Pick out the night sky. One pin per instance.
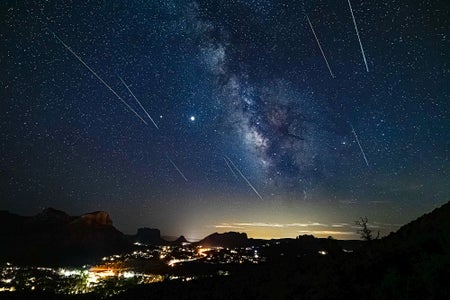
(252, 130)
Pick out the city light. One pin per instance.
(115, 273)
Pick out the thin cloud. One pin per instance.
(270, 225)
(340, 225)
(327, 232)
(229, 226)
(259, 224)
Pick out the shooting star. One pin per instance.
(359, 144)
(96, 75)
(320, 47)
(135, 98)
(175, 166)
(357, 34)
(231, 169)
(245, 178)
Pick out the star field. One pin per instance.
(247, 127)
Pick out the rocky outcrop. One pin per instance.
(228, 239)
(53, 215)
(149, 236)
(54, 237)
(98, 218)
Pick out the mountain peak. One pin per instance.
(180, 240)
(51, 214)
(52, 236)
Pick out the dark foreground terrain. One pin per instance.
(412, 263)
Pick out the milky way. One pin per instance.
(280, 89)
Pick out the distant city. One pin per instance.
(118, 272)
(39, 261)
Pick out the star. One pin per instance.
(264, 96)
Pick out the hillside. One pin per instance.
(54, 237)
(413, 263)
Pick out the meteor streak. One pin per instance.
(96, 75)
(359, 39)
(231, 169)
(135, 98)
(117, 95)
(175, 166)
(320, 47)
(359, 144)
(245, 178)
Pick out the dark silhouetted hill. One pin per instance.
(180, 241)
(149, 236)
(434, 224)
(413, 263)
(226, 240)
(54, 237)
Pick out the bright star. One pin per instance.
(192, 118)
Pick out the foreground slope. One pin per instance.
(413, 263)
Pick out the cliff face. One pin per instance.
(54, 237)
(100, 218)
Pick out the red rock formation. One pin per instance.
(96, 218)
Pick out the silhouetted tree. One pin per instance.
(365, 233)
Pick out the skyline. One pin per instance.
(274, 118)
